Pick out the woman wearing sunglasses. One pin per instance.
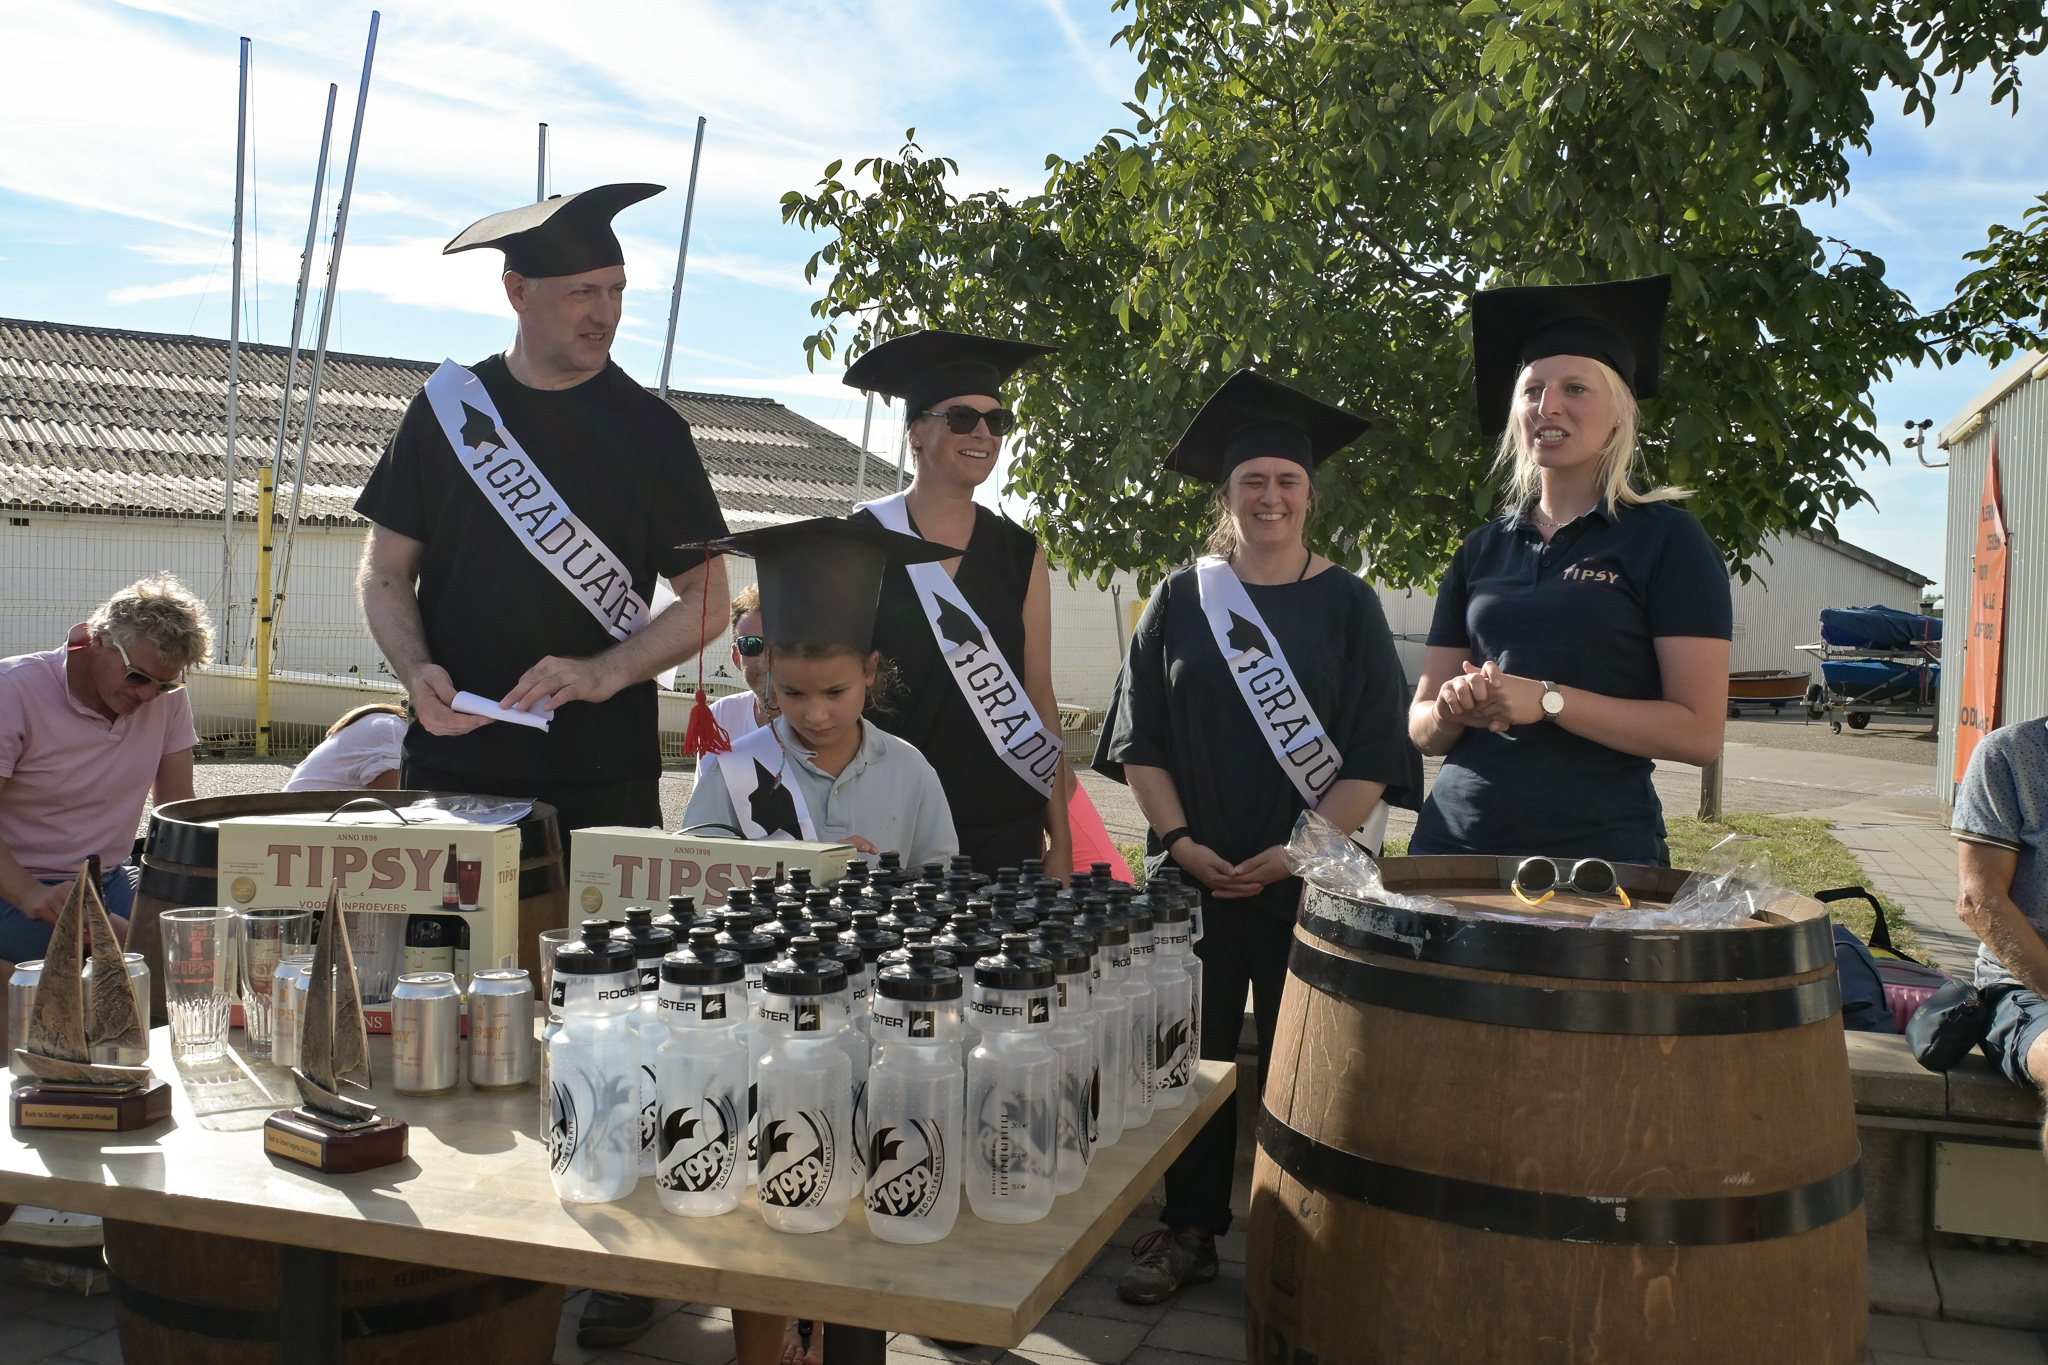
(742, 713)
(1584, 634)
(972, 636)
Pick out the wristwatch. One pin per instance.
(1553, 701)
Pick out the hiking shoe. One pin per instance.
(613, 1319)
(34, 1227)
(1165, 1260)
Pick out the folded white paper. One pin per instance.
(470, 704)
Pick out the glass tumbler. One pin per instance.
(551, 939)
(199, 980)
(263, 938)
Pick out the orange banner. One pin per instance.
(1984, 648)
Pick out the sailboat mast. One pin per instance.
(227, 519)
(675, 298)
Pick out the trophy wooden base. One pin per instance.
(39, 1106)
(294, 1137)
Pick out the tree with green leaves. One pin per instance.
(1316, 187)
(2002, 307)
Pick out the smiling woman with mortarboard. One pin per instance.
(1585, 633)
(973, 637)
(1261, 682)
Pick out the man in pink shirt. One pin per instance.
(87, 732)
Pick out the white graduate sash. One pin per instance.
(993, 690)
(522, 495)
(1300, 745)
(765, 807)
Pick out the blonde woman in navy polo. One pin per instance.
(1584, 633)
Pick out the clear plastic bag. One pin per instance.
(1734, 882)
(478, 810)
(1321, 853)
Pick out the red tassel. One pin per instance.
(705, 735)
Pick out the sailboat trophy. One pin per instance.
(329, 1131)
(70, 1027)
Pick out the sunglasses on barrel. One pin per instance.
(961, 420)
(1588, 876)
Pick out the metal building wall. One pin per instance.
(2021, 419)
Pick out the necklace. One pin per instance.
(1231, 560)
(1536, 514)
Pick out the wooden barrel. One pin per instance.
(1510, 1137)
(192, 1298)
(182, 850)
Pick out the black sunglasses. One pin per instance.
(961, 420)
(750, 646)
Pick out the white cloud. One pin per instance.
(170, 289)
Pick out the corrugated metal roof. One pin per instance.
(93, 419)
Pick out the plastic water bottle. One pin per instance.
(1073, 1042)
(1112, 1018)
(1175, 976)
(852, 1039)
(1144, 1001)
(805, 1175)
(593, 1121)
(1170, 874)
(914, 1100)
(651, 943)
(1012, 1079)
(755, 953)
(702, 1069)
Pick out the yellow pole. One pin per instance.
(265, 505)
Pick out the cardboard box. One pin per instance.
(286, 862)
(612, 866)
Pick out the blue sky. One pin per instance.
(116, 178)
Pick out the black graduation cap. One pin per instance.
(1252, 416)
(1618, 323)
(926, 366)
(820, 578)
(565, 235)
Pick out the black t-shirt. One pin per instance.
(624, 462)
(1176, 707)
(1584, 611)
(994, 575)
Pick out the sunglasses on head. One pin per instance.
(136, 677)
(750, 646)
(961, 420)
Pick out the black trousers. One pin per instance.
(578, 805)
(1242, 950)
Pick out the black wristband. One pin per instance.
(1174, 836)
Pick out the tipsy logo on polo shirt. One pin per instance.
(1598, 570)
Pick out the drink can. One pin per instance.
(426, 1027)
(289, 983)
(500, 1029)
(21, 1003)
(138, 975)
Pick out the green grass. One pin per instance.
(1807, 858)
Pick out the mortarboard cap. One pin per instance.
(1618, 324)
(924, 367)
(820, 579)
(565, 235)
(1252, 416)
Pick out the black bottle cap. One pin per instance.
(892, 861)
(703, 962)
(597, 953)
(920, 977)
(1014, 968)
(857, 870)
(848, 955)
(806, 971)
(738, 935)
(1057, 943)
(650, 941)
(965, 939)
(873, 939)
(1167, 904)
(1032, 868)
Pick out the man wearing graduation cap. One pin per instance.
(1262, 681)
(973, 640)
(1585, 633)
(521, 521)
(818, 772)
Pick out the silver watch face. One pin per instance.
(1553, 702)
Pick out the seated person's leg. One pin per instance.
(2018, 1040)
(21, 938)
(771, 1339)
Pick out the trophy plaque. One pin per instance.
(329, 1131)
(70, 1027)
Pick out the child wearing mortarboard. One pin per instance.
(819, 772)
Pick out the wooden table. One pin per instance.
(474, 1195)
